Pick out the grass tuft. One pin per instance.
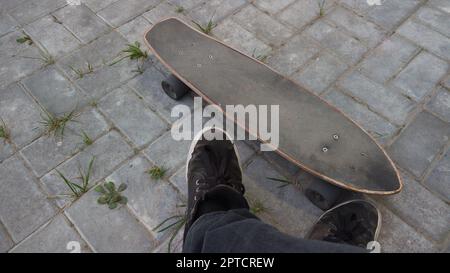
(173, 224)
(76, 189)
(56, 125)
(157, 172)
(257, 207)
(24, 39)
(4, 132)
(179, 9)
(206, 28)
(321, 4)
(80, 72)
(284, 182)
(133, 52)
(86, 139)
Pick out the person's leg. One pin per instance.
(218, 217)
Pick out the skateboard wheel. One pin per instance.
(174, 88)
(322, 194)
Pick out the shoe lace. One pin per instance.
(348, 229)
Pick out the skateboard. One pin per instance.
(314, 135)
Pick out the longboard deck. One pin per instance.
(224, 76)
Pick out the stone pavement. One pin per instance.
(386, 66)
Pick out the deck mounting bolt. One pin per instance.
(335, 137)
(325, 149)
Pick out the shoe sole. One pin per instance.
(198, 136)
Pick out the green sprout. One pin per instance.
(283, 182)
(157, 172)
(86, 139)
(110, 195)
(76, 189)
(179, 9)
(80, 72)
(257, 207)
(321, 4)
(174, 224)
(4, 132)
(56, 125)
(24, 39)
(133, 52)
(206, 28)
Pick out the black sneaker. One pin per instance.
(355, 222)
(214, 175)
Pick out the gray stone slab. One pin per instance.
(321, 73)
(273, 7)
(386, 101)
(427, 38)
(7, 24)
(236, 36)
(440, 104)
(215, 10)
(6, 149)
(443, 5)
(5, 241)
(109, 230)
(148, 85)
(175, 247)
(388, 58)
(420, 209)
(19, 190)
(446, 82)
(162, 11)
(47, 152)
(96, 5)
(302, 12)
(178, 179)
(82, 22)
(440, 176)
(393, 12)
(420, 143)
(436, 19)
(10, 4)
(32, 10)
(134, 30)
(263, 26)
(132, 117)
(350, 49)
(54, 92)
(152, 201)
(56, 39)
(167, 152)
(20, 114)
(377, 126)
(295, 53)
(286, 168)
(108, 151)
(421, 75)
(9, 46)
(360, 28)
(13, 69)
(55, 237)
(244, 151)
(122, 11)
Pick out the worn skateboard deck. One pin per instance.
(224, 76)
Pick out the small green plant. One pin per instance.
(4, 132)
(133, 52)
(321, 4)
(110, 195)
(257, 207)
(93, 103)
(24, 39)
(259, 57)
(86, 139)
(172, 224)
(206, 28)
(56, 125)
(179, 9)
(157, 172)
(76, 189)
(283, 182)
(81, 72)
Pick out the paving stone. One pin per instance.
(9, 47)
(440, 176)
(421, 75)
(54, 92)
(419, 208)
(377, 126)
(388, 58)
(122, 11)
(152, 201)
(440, 104)
(47, 152)
(295, 53)
(32, 10)
(286, 167)
(167, 152)
(54, 237)
(444, 5)
(435, 18)
(20, 114)
(109, 77)
(302, 12)
(103, 50)
(360, 6)
(97, 5)
(162, 11)
(7, 24)
(109, 230)
(330, 37)
(128, 112)
(6, 149)
(233, 34)
(217, 9)
(393, 12)
(244, 151)
(263, 26)
(148, 85)
(398, 237)
(14, 68)
(108, 152)
(420, 143)
(178, 179)
(19, 190)
(386, 101)
(356, 25)
(176, 245)
(272, 7)
(187, 4)
(134, 30)
(427, 38)
(82, 22)
(321, 73)
(56, 39)
(10, 4)
(5, 241)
